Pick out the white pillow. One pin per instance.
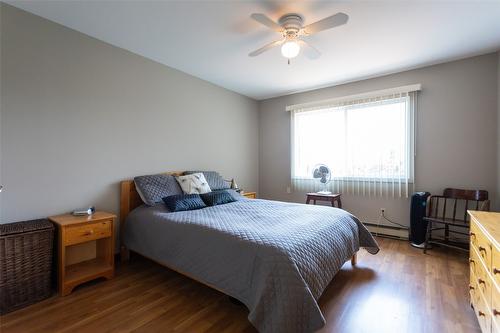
(194, 184)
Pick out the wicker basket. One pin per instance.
(25, 263)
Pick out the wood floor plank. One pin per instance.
(398, 290)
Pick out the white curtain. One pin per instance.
(368, 143)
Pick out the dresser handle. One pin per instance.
(471, 261)
(481, 313)
(88, 233)
(471, 287)
(472, 234)
(495, 312)
(482, 249)
(496, 270)
(481, 281)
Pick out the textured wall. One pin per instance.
(456, 131)
(79, 115)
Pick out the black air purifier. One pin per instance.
(418, 226)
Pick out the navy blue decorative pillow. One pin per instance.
(180, 202)
(215, 198)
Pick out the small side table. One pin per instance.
(324, 197)
(250, 195)
(85, 249)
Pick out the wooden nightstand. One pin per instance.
(85, 249)
(250, 195)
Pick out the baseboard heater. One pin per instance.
(389, 231)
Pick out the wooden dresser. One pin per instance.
(484, 263)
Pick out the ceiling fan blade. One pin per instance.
(309, 51)
(265, 48)
(263, 19)
(326, 23)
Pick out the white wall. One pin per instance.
(456, 133)
(79, 115)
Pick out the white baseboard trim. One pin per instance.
(385, 230)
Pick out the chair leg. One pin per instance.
(427, 236)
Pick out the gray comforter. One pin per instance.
(275, 257)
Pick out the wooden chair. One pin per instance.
(450, 210)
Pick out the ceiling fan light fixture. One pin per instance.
(292, 29)
(290, 49)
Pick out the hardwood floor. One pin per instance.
(398, 290)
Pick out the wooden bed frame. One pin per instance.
(130, 199)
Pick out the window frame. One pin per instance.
(410, 123)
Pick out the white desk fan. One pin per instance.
(322, 174)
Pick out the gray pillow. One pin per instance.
(152, 188)
(214, 180)
(236, 196)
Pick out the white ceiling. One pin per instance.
(211, 39)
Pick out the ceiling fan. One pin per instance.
(290, 26)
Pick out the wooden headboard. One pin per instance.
(130, 199)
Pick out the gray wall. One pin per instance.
(456, 131)
(79, 115)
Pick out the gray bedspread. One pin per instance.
(275, 257)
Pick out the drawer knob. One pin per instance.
(496, 270)
(481, 281)
(471, 261)
(495, 312)
(481, 313)
(88, 233)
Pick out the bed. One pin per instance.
(275, 257)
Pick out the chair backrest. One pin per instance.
(454, 203)
(470, 195)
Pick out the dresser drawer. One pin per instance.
(87, 232)
(483, 314)
(483, 281)
(481, 244)
(473, 290)
(495, 266)
(474, 261)
(495, 310)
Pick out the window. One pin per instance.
(367, 143)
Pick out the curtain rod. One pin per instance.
(376, 93)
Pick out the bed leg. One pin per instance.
(354, 259)
(124, 254)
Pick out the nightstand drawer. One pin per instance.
(88, 232)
